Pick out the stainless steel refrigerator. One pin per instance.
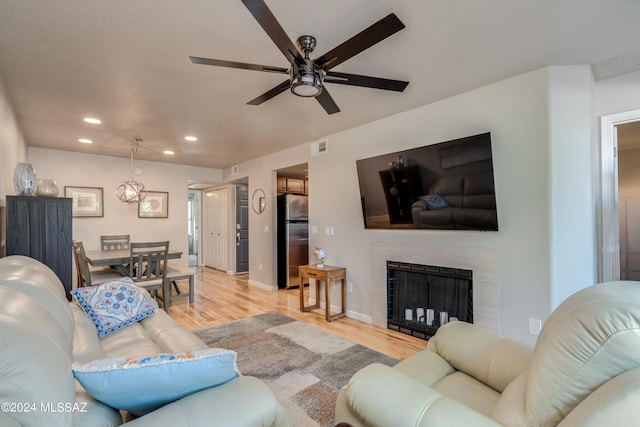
(293, 238)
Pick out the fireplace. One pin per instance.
(421, 298)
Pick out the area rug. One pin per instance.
(304, 365)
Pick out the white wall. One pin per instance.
(516, 112)
(87, 170)
(617, 94)
(13, 148)
(535, 125)
(573, 178)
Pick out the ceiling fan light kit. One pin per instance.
(306, 75)
(306, 82)
(306, 85)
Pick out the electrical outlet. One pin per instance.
(349, 286)
(535, 326)
(260, 266)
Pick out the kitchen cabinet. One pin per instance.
(295, 185)
(286, 185)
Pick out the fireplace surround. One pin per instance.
(483, 261)
(421, 298)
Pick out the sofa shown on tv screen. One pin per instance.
(445, 186)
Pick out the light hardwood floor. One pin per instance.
(221, 298)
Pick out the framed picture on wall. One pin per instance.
(154, 205)
(86, 201)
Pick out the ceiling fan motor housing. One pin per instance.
(306, 78)
(306, 44)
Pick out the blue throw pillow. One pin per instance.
(142, 384)
(113, 305)
(434, 202)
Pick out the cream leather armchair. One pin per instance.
(583, 371)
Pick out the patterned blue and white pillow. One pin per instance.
(142, 384)
(434, 202)
(113, 305)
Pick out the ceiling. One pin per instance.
(127, 63)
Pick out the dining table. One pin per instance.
(119, 259)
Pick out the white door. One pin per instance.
(216, 220)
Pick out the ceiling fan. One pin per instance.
(307, 76)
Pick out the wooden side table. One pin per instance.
(327, 274)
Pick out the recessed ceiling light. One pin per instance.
(168, 152)
(191, 138)
(85, 141)
(92, 120)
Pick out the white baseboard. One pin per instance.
(350, 313)
(366, 318)
(264, 286)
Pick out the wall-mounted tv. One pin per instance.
(443, 186)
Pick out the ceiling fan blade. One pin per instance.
(241, 65)
(365, 81)
(271, 93)
(272, 27)
(327, 102)
(377, 32)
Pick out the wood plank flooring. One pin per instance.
(221, 298)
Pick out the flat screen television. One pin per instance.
(443, 186)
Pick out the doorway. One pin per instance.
(628, 135)
(193, 226)
(620, 199)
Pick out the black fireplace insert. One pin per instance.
(421, 298)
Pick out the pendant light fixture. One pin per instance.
(132, 191)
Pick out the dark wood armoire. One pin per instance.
(40, 228)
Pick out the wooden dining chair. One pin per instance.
(174, 274)
(114, 242)
(148, 264)
(86, 275)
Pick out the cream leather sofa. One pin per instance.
(41, 334)
(584, 371)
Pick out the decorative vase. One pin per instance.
(47, 187)
(24, 180)
(320, 256)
